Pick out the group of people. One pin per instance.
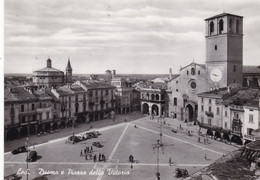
(205, 140)
(88, 154)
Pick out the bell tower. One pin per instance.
(224, 50)
(68, 72)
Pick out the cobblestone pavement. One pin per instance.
(137, 137)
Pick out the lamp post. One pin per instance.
(27, 148)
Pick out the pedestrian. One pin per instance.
(170, 161)
(99, 157)
(86, 157)
(198, 139)
(180, 126)
(95, 158)
(204, 141)
(205, 157)
(91, 148)
(125, 120)
(131, 166)
(85, 151)
(81, 154)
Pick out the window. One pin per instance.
(187, 72)
(226, 113)
(251, 118)
(221, 26)
(55, 106)
(202, 108)
(32, 107)
(202, 119)
(209, 101)
(225, 125)
(216, 47)
(202, 99)
(237, 26)
(209, 108)
(90, 94)
(23, 119)
(198, 72)
(22, 108)
(192, 71)
(40, 117)
(84, 106)
(47, 115)
(234, 68)
(249, 131)
(69, 98)
(175, 101)
(76, 107)
(96, 93)
(176, 82)
(177, 90)
(209, 121)
(218, 110)
(230, 25)
(76, 98)
(106, 92)
(211, 27)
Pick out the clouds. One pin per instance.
(116, 34)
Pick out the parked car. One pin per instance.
(32, 156)
(12, 177)
(19, 150)
(74, 139)
(97, 144)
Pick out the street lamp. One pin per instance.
(158, 145)
(27, 148)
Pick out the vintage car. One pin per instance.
(12, 177)
(97, 144)
(32, 156)
(18, 150)
(74, 139)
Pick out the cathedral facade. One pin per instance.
(224, 66)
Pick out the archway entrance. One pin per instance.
(155, 110)
(32, 129)
(12, 134)
(190, 113)
(145, 108)
(236, 139)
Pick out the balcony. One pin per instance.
(237, 108)
(237, 133)
(209, 114)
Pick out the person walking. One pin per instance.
(205, 157)
(131, 166)
(99, 157)
(170, 161)
(198, 139)
(81, 154)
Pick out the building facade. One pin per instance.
(49, 77)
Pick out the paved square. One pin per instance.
(61, 160)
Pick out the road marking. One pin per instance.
(114, 150)
(180, 140)
(97, 164)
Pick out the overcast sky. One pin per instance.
(131, 36)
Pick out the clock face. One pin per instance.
(215, 75)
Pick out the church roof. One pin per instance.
(96, 85)
(203, 66)
(221, 15)
(47, 69)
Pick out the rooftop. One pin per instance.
(18, 94)
(221, 15)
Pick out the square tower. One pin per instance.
(224, 50)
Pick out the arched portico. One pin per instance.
(145, 108)
(155, 110)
